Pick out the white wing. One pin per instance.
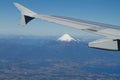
(111, 32)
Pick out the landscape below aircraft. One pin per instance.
(111, 33)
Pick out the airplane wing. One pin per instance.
(111, 32)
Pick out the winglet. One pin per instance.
(27, 15)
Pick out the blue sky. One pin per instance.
(105, 11)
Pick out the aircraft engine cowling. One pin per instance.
(106, 44)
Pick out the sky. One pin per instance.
(105, 11)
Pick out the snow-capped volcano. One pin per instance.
(66, 38)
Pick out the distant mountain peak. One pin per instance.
(66, 38)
